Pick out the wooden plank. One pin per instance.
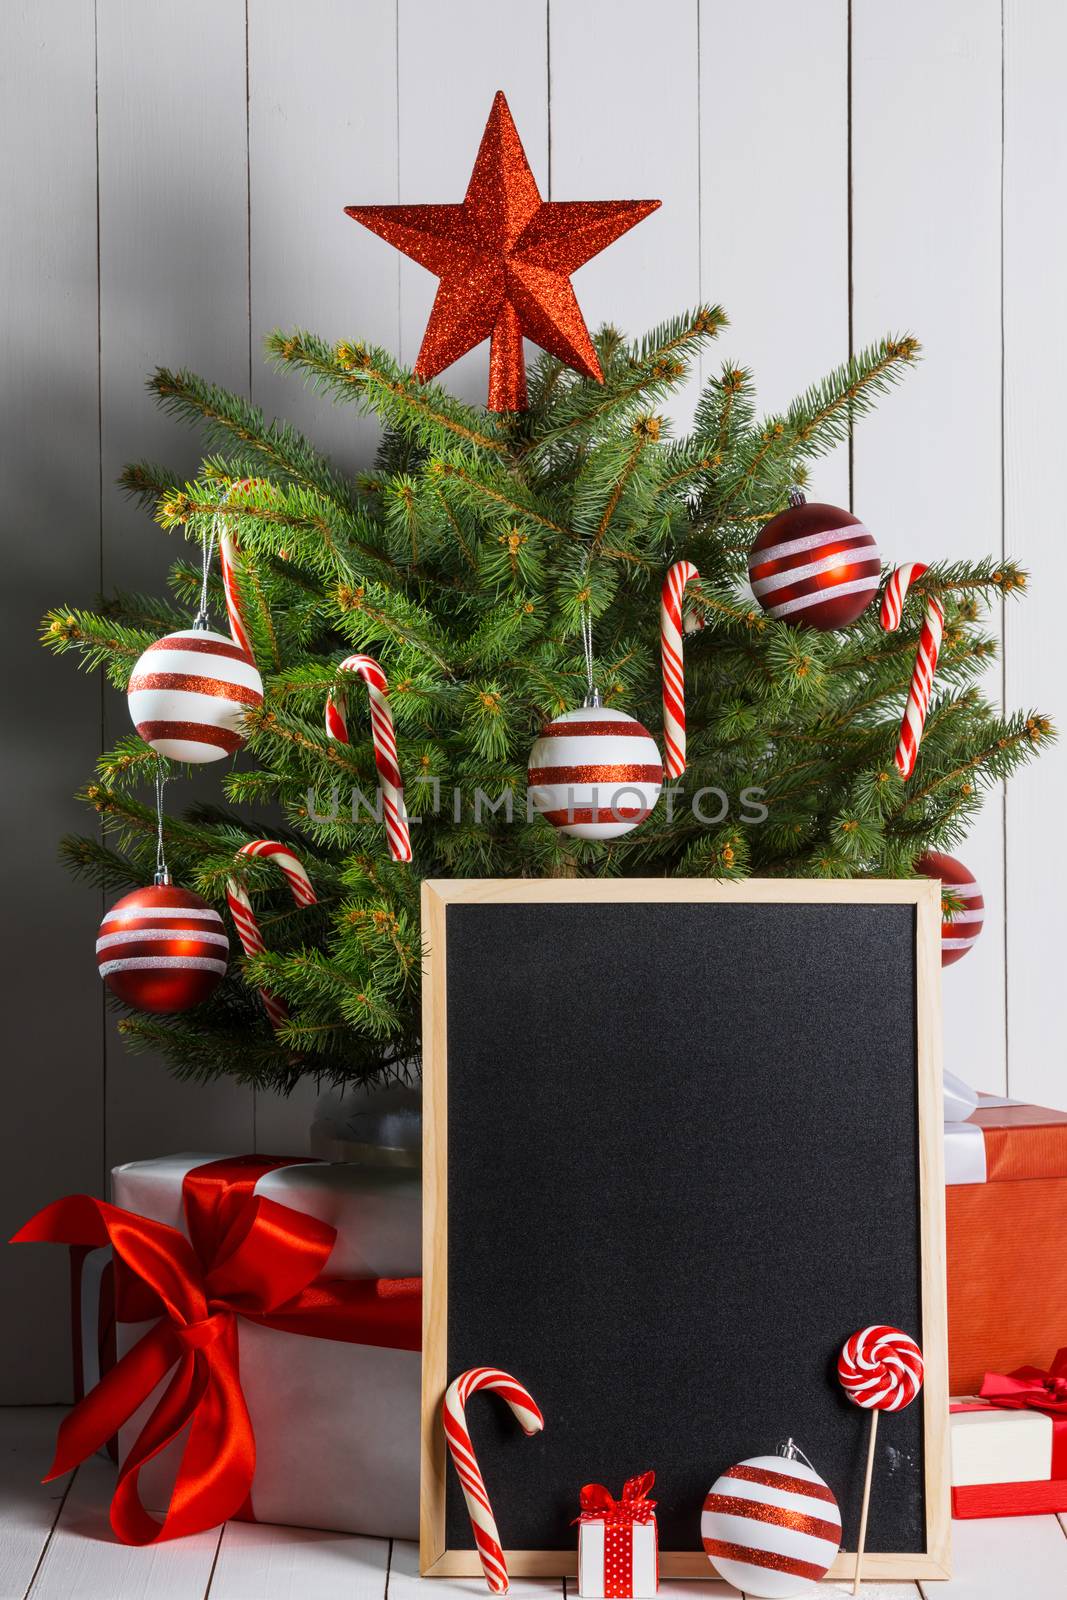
(260, 1561)
(85, 1559)
(604, 891)
(926, 165)
(452, 60)
(1035, 345)
(653, 272)
(322, 135)
(405, 1583)
(48, 422)
(691, 1588)
(999, 1558)
(686, 1588)
(774, 250)
(173, 291)
(883, 1591)
(28, 1507)
(432, 1488)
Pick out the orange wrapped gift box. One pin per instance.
(1007, 1240)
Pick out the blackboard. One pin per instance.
(682, 1139)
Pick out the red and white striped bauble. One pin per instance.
(189, 694)
(595, 773)
(814, 565)
(162, 949)
(771, 1526)
(959, 929)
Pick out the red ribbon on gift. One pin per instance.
(1030, 1389)
(618, 1516)
(246, 1257)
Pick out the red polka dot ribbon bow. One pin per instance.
(635, 1506)
(618, 1516)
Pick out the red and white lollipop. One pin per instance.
(881, 1369)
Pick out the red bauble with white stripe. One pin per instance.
(959, 929)
(816, 566)
(595, 773)
(189, 694)
(771, 1526)
(162, 949)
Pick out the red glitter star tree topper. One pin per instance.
(504, 258)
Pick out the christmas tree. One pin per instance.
(468, 562)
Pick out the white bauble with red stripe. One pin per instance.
(771, 1526)
(162, 949)
(814, 565)
(190, 693)
(595, 773)
(961, 926)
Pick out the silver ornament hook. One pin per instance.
(203, 619)
(791, 1451)
(797, 497)
(586, 623)
(162, 876)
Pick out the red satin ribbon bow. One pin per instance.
(248, 1257)
(1031, 1389)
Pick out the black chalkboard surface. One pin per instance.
(683, 1138)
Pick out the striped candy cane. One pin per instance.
(244, 918)
(922, 678)
(670, 635)
(453, 1410)
(228, 563)
(385, 756)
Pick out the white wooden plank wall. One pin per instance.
(631, 153)
(774, 228)
(54, 1113)
(176, 189)
(1035, 529)
(926, 115)
(173, 292)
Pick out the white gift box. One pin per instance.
(1006, 1462)
(336, 1424)
(618, 1541)
(591, 1562)
(998, 1446)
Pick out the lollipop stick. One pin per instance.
(866, 1501)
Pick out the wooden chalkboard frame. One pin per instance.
(436, 1560)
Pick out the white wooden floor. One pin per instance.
(56, 1544)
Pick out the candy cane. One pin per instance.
(670, 634)
(228, 563)
(453, 1410)
(385, 756)
(244, 918)
(922, 678)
